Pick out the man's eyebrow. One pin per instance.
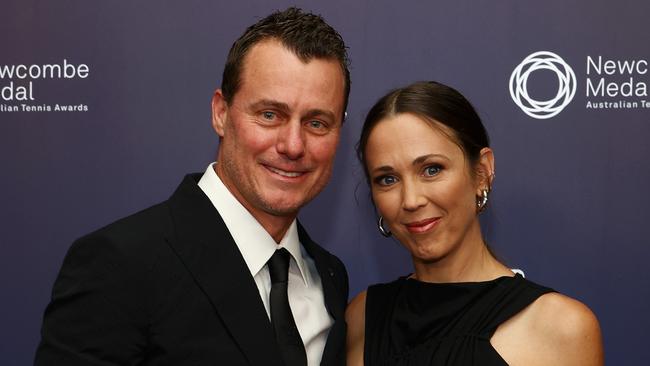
(283, 107)
(268, 103)
(320, 112)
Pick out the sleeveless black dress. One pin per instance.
(415, 323)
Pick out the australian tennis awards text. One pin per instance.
(616, 78)
(18, 82)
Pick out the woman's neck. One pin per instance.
(470, 262)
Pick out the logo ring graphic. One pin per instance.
(542, 109)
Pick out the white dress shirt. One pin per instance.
(257, 246)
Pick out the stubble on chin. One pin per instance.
(245, 189)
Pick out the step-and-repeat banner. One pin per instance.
(104, 106)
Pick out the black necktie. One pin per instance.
(286, 332)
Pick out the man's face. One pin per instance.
(280, 131)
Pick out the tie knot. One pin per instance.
(279, 266)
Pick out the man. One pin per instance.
(202, 278)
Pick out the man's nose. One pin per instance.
(291, 140)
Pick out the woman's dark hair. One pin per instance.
(436, 103)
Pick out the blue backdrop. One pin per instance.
(570, 200)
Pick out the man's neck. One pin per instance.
(275, 225)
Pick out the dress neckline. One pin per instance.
(409, 279)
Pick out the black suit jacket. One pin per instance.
(168, 286)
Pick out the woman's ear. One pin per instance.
(484, 170)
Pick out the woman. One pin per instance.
(427, 159)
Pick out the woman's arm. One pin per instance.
(355, 316)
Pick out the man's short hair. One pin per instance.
(307, 35)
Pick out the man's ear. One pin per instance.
(219, 112)
(484, 170)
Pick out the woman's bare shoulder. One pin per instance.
(563, 317)
(554, 330)
(567, 328)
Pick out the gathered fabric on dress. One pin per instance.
(414, 323)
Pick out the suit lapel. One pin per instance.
(209, 253)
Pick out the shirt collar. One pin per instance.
(254, 243)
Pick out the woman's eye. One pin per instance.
(432, 170)
(386, 180)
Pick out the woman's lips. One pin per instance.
(422, 226)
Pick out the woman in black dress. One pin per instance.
(427, 159)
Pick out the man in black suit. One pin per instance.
(203, 278)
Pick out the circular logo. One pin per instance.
(542, 109)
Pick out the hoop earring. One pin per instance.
(482, 201)
(380, 223)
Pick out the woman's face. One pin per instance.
(423, 186)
